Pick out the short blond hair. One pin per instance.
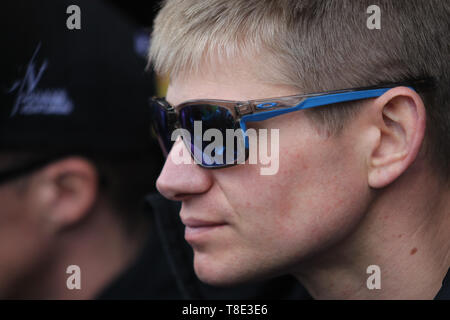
(317, 45)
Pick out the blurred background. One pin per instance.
(142, 14)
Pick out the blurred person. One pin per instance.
(363, 151)
(76, 159)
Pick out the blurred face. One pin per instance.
(22, 233)
(243, 225)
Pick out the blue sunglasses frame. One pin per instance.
(264, 109)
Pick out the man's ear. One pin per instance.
(400, 118)
(67, 191)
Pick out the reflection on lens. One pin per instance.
(208, 126)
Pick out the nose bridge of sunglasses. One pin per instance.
(242, 109)
(172, 119)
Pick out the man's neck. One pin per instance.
(404, 233)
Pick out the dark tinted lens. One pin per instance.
(161, 126)
(207, 125)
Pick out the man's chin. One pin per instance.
(223, 273)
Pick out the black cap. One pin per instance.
(67, 89)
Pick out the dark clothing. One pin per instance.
(164, 270)
(149, 277)
(444, 293)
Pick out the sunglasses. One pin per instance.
(225, 115)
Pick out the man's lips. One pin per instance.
(196, 227)
(197, 223)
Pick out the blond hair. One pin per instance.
(317, 45)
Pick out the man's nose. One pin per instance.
(180, 181)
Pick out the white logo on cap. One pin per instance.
(31, 101)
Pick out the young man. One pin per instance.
(363, 176)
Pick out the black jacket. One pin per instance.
(444, 293)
